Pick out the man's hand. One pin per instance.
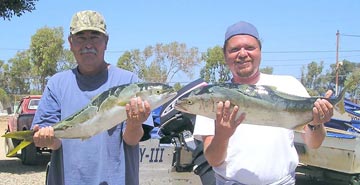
(323, 110)
(226, 122)
(137, 112)
(44, 137)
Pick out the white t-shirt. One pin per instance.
(258, 154)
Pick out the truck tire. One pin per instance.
(9, 146)
(47, 172)
(28, 155)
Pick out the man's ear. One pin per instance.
(70, 42)
(106, 41)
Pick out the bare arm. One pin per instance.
(215, 147)
(322, 113)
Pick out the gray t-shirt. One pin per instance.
(101, 159)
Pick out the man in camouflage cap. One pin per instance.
(110, 157)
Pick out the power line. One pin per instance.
(350, 35)
(319, 51)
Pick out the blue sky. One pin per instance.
(307, 27)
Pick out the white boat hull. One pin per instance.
(338, 154)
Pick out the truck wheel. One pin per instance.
(9, 146)
(47, 172)
(28, 155)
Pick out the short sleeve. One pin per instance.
(203, 127)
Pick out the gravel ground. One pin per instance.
(12, 171)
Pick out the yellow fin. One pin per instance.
(299, 128)
(22, 145)
(20, 135)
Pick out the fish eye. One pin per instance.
(157, 91)
(189, 102)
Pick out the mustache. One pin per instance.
(84, 51)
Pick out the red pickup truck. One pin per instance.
(21, 119)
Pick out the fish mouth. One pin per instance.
(179, 107)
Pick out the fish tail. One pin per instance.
(22, 145)
(25, 136)
(340, 105)
(20, 135)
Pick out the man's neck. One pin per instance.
(91, 70)
(253, 79)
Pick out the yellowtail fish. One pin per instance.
(263, 105)
(104, 112)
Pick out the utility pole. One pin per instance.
(337, 64)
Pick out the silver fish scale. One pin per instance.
(265, 93)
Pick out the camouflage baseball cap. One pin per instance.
(87, 20)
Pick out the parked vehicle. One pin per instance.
(21, 120)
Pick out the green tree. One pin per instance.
(9, 8)
(46, 49)
(354, 76)
(17, 74)
(215, 69)
(134, 61)
(4, 97)
(67, 61)
(312, 78)
(161, 62)
(177, 86)
(344, 68)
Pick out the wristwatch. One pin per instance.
(313, 127)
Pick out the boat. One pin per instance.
(337, 161)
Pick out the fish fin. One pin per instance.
(20, 135)
(340, 106)
(22, 145)
(299, 128)
(122, 103)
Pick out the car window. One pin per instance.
(33, 104)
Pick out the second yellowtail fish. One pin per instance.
(263, 105)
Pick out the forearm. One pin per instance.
(314, 138)
(215, 150)
(133, 133)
